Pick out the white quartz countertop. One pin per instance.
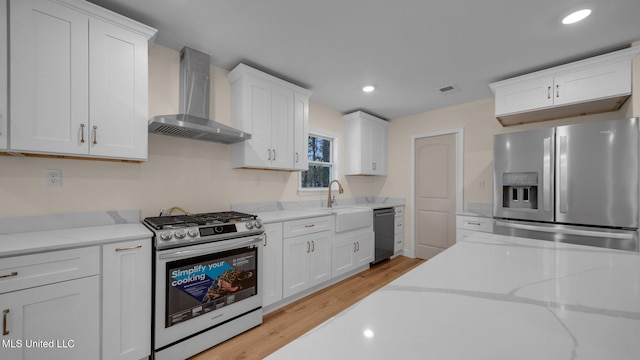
(268, 217)
(273, 216)
(49, 240)
(493, 297)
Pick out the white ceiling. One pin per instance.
(407, 48)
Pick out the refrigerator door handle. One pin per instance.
(546, 175)
(563, 177)
(566, 231)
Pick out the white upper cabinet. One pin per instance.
(3, 75)
(275, 113)
(365, 144)
(590, 86)
(78, 81)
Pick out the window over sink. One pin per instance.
(322, 155)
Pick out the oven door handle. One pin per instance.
(215, 247)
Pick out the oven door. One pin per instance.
(201, 286)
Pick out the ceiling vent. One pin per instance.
(449, 89)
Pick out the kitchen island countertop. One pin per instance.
(493, 297)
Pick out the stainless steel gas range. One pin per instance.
(207, 280)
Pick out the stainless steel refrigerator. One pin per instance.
(574, 183)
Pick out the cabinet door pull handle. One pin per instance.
(310, 225)
(81, 133)
(354, 247)
(265, 240)
(557, 91)
(95, 135)
(129, 248)
(274, 154)
(297, 158)
(5, 313)
(15, 273)
(269, 154)
(473, 223)
(308, 247)
(548, 92)
(313, 246)
(357, 246)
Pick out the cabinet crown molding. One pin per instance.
(364, 115)
(111, 17)
(242, 69)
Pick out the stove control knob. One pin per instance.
(258, 224)
(193, 232)
(181, 234)
(249, 225)
(166, 235)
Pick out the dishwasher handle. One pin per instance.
(384, 212)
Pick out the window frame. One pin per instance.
(334, 138)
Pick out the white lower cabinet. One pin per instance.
(45, 319)
(272, 264)
(351, 250)
(126, 300)
(469, 225)
(306, 257)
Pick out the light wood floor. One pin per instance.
(287, 323)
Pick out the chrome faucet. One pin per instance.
(340, 191)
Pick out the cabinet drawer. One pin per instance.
(306, 226)
(399, 225)
(474, 223)
(21, 272)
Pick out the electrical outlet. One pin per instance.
(53, 177)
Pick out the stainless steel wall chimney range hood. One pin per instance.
(193, 120)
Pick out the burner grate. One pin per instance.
(161, 222)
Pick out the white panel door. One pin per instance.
(295, 262)
(257, 105)
(379, 148)
(435, 194)
(272, 264)
(126, 300)
(342, 257)
(66, 313)
(594, 83)
(524, 96)
(49, 77)
(301, 132)
(319, 257)
(118, 88)
(364, 248)
(282, 127)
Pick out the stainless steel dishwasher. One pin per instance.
(383, 226)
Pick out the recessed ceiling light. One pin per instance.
(576, 16)
(368, 88)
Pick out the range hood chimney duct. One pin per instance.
(193, 120)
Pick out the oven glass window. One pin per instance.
(202, 284)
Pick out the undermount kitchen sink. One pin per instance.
(351, 218)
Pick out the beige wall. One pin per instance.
(198, 177)
(192, 174)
